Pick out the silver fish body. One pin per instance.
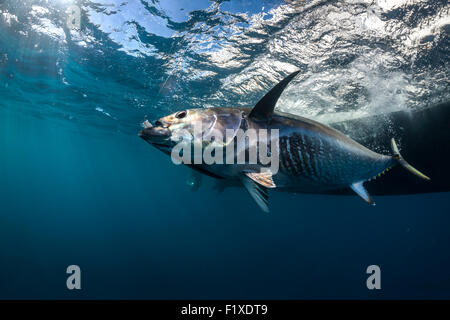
(311, 157)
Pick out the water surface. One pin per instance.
(77, 186)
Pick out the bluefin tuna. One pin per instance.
(312, 157)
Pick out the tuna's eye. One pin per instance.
(180, 115)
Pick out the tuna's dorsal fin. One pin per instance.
(263, 110)
(257, 192)
(359, 189)
(263, 178)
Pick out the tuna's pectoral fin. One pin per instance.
(263, 178)
(359, 189)
(257, 192)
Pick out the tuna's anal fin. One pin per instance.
(263, 110)
(397, 156)
(257, 192)
(359, 189)
(263, 178)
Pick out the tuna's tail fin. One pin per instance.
(397, 156)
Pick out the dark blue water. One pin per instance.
(78, 186)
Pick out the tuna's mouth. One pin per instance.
(157, 135)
